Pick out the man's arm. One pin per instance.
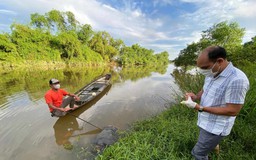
(73, 95)
(229, 110)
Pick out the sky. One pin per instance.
(161, 25)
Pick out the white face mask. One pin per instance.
(56, 86)
(208, 72)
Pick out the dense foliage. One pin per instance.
(58, 37)
(227, 35)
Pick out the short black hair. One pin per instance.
(216, 52)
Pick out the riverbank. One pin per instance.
(173, 133)
(45, 65)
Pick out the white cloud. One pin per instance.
(247, 9)
(212, 12)
(4, 11)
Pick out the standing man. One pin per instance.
(54, 99)
(221, 99)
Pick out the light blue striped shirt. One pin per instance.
(230, 86)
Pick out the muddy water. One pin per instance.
(29, 132)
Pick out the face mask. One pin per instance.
(208, 72)
(56, 86)
(205, 72)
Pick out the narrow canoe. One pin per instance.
(90, 92)
(93, 89)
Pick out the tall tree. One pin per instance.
(71, 23)
(39, 21)
(248, 53)
(69, 45)
(85, 33)
(101, 42)
(228, 35)
(8, 51)
(56, 20)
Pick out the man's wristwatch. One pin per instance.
(201, 108)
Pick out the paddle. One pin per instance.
(87, 133)
(83, 120)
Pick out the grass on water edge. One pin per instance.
(173, 133)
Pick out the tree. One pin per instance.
(8, 50)
(85, 33)
(102, 43)
(39, 21)
(33, 44)
(69, 45)
(248, 53)
(71, 23)
(227, 35)
(188, 55)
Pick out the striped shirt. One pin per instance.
(230, 86)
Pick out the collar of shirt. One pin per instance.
(226, 72)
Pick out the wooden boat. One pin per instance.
(64, 123)
(90, 92)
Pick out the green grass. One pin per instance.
(173, 133)
(167, 136)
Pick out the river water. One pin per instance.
(29, 132)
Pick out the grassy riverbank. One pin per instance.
(173, 133)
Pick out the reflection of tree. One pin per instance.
(135, 73)
(65, 126)
(188, 82)
(35, 82)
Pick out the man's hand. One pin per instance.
(192, 95)
(189, 103)
(76, 98)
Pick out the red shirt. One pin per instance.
(55, 97)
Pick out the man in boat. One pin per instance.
(221, 99)
(55, 99)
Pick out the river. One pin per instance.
(29, 132)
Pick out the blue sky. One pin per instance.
(161, 25)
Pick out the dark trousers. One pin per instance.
(66, 101)
(205, 144)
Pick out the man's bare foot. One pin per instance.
(75, 107)
(217, 149)
(67, 109)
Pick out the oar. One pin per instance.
(84, 120)
(87, 133)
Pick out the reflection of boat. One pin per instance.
(91, 91)
(65, 127)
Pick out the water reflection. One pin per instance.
(65, 127)
(183, 77)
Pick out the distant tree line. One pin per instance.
(227, 35)
(58, 36)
